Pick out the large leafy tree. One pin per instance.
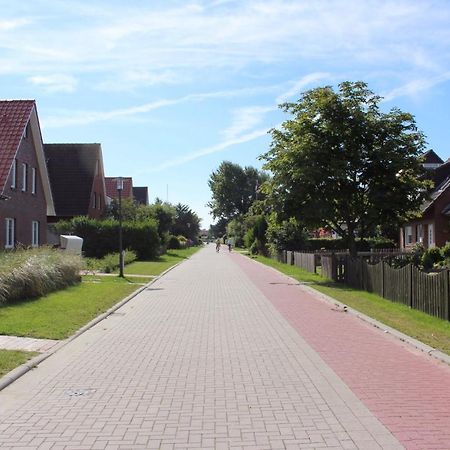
(234, 189)
(341, 162)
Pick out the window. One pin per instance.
(33, 180)
(10, 233)
(13, 174)
(408, 235)
(420, 233)
(430, 235)
(94, 201)
(34, 233)
(24, 176)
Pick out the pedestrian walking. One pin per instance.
(230, 244)
(217, 245)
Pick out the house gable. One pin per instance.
(111, 187)
(76, 174)
(15, 117)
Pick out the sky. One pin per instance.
(173, 88)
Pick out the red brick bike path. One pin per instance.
(407, 390)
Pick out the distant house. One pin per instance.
(77, 180)
(432, 227)
(111, 188)
(140, 195)
(25, 195)
(137, 194)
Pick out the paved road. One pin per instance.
(203, 358)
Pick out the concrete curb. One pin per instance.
(16, 373)
(443, 357)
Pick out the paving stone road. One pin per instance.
(201, 359)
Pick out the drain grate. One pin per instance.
(79, 392)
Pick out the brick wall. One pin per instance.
(24, 207)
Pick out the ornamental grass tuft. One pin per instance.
(29, 273)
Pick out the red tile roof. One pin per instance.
(14, 116)
(111, 187)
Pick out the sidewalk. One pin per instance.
(205, 358)
(408, 390)
(26, 344)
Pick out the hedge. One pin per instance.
(101, 237)
(341, 244)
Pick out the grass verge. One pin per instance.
(9, 359)
(60, 314)
(428, 329)
(159, 265)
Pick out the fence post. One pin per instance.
(447, 303)
(382, 278)
(410, 285)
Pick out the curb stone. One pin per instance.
(431, 351)
(16, 373)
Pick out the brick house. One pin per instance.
(25, 195)
(138, 194)
(432, 227)
(111, 188)
(77, 180)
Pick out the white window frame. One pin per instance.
(10, 228)
(34, 233)
(408, 235)
(14, 174)
(33, 180)
(24, 176)
(431, 242)
(419, 233)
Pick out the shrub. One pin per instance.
(33, 273)
(183, 241)
(109, 262)
(431, 257)
(249, 238)
(254, 248)
(173, 243)
(288, 234)
(101, 237)
(445, 250)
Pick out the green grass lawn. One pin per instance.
(9, 359)
(428, 329)
(59, 314)
(159, 265)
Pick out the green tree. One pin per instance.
(186, 222)
(340, 162)
(164, 214)
(234, 189)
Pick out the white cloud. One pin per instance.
(298, 86)
(72, 118)
(244, 119)
(212, 149)
(12, 24)
(404, 34)
(415, 87)
(55, 82)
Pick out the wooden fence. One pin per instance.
(427, 292)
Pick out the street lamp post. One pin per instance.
(119, 190)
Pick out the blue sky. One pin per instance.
(172, 88)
